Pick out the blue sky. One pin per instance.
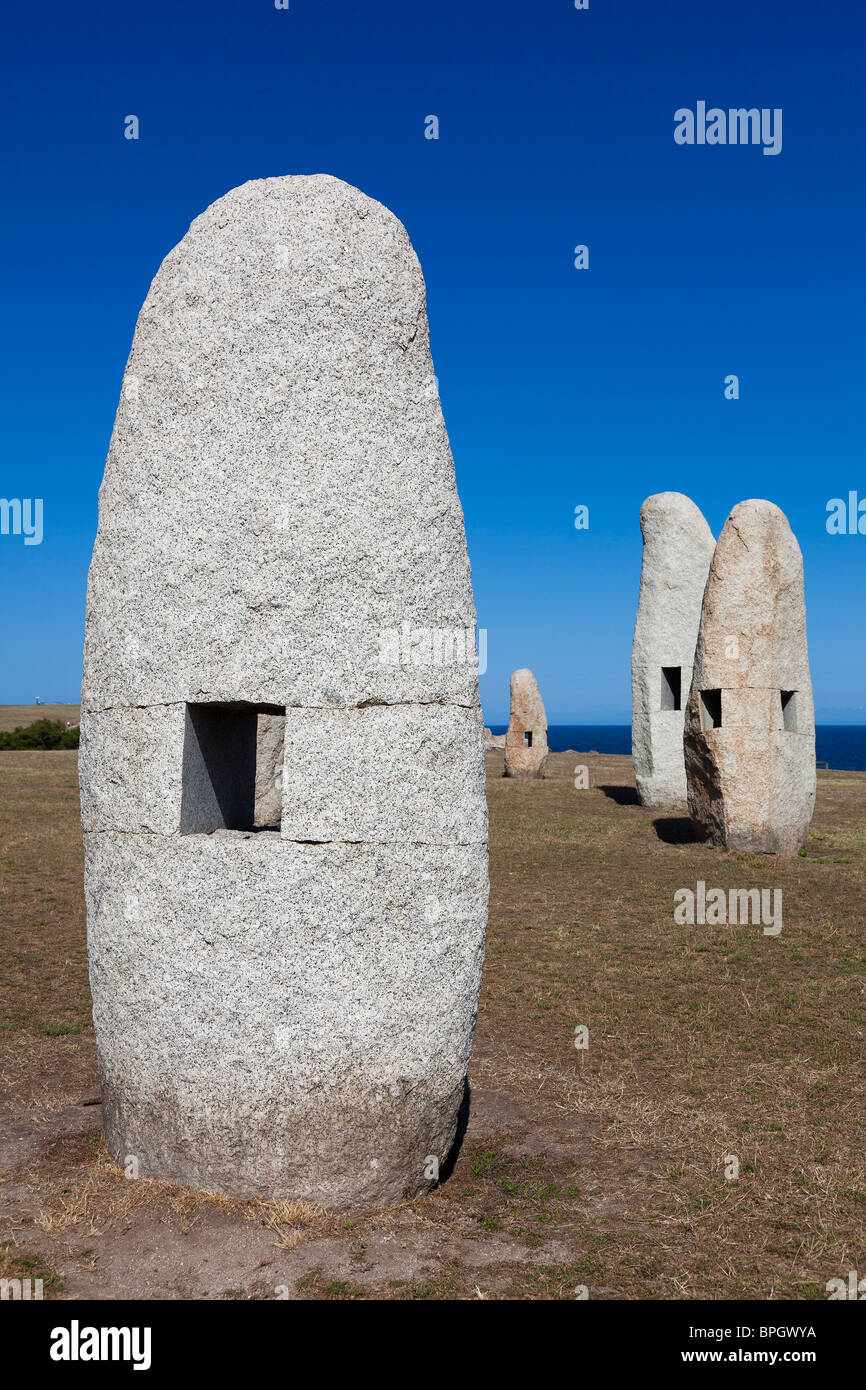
(560, 387)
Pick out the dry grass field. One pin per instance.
(602, 1168)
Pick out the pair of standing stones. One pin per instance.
(723, 718)
(285, 826)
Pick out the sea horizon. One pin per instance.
(838, 746)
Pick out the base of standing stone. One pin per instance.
(655, 798)
(741, 812)
(523, 774)
(284, 1041)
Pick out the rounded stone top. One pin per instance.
(279, 498)
(669, 512)
(760, 513)
(669, 502)
(286, 260)
(757, 524)
(754, 592)
(526, 696)
(301, 194)
(678, 544)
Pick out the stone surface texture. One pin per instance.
(492, 741)
(677, 550)
(284, 812)
(751, 778)
(269, 768)
(525, 758)
(384, 773)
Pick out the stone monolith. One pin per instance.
(493, 741)
(526, 740)
(750, 722)
(677, 550)
(282, 767)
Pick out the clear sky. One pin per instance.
(560, 386)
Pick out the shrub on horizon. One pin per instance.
(43, 733)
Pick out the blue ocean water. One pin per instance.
(837, 745)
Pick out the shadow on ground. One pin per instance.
(623, 796)
(460, 1134)
(677, 830)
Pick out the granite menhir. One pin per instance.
(285, 947)
(677, 550)
(750, 722)
(526, 740)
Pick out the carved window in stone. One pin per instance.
(672, 680)
(789, 710)
(232, 767)
(527, 738)
(711, 709)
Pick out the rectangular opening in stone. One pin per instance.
(230, 755)
(672, 687)
(711, 709)
(789, 710)
(528, 738)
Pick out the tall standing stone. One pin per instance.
(677, 550)
(750, 722)
(526, 740)
(284, 1009)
